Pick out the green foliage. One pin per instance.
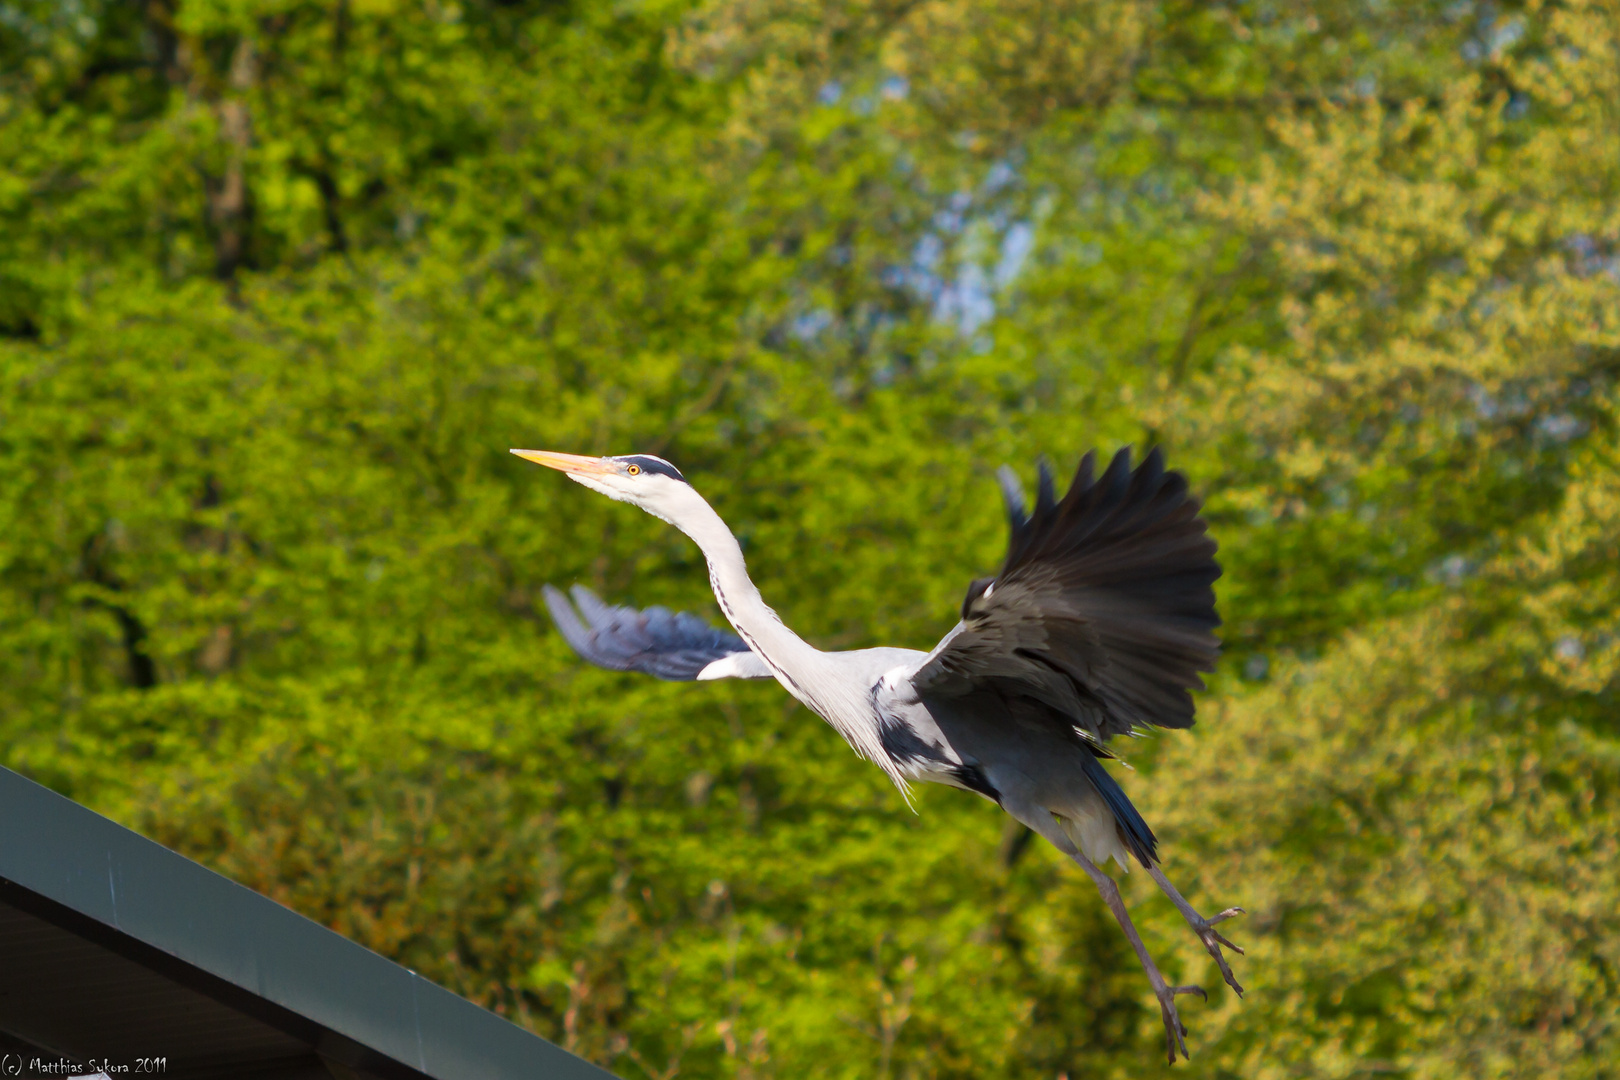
(280, 283)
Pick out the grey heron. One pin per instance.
(1097, 625)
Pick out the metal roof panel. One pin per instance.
(164, 919)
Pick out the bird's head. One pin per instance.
(642, 480)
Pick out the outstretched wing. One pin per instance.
(657, 641)
(1104, 609)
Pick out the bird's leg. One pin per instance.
(1204, 928)
(1175, 1030)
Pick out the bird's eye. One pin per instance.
(634, 470)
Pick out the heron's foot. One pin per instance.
(1175, 1030)
(1204, 928)
(1212, 939)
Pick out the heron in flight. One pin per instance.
(1097, 625)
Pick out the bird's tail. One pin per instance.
(1133, 831)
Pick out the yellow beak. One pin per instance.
(569, 463)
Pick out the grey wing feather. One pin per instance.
(1104, 609)
(670, 645)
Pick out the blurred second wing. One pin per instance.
(670, 645)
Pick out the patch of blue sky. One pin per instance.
(967, 301)
(811, 325)
(1016, 244)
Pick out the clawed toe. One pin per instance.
(1213, 940)
(1205, 928)
(1175, 1031)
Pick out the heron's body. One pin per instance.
(1097, 625)
(1007, 751)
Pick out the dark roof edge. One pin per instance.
(97, 878)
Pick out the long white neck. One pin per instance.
(816, 678)
(798, 665)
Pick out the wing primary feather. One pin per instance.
(567, 619)
(596, 613)
(1012, 493)
(1082, 473)
(1114, 487)
(1081, 484)
(1045, 494)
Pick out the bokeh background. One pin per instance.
(282, 280)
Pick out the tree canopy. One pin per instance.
(281, 281)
